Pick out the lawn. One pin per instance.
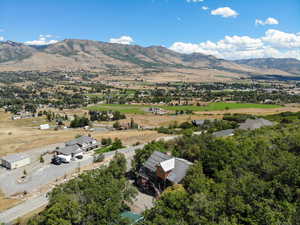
(140, 109)
(103, 150)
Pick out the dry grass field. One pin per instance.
(254, 111)
(6, 203)
(22, 135)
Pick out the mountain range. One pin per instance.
(156, 62)
(289, 65)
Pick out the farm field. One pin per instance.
(221, 106)
(140, 109)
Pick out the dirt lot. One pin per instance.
(6, 203)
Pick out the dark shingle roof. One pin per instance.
(69, 150)
(177, 174)
(80, 140)
(180, 170)
(155, 159)
(251, 124)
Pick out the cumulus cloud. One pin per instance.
(125, 40)
(268, 21)
(43, 39)
(1, 38)
(274, 43)
(194, 1)
(224, 12)
(204, 7)
(281, 39)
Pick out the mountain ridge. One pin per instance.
(89, 55)
(290, 65)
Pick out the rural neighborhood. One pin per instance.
(150, 112)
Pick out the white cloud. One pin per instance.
(42, 40)
(224, 12)
(204, 7)
(125, 40)
(269, 21)
(1, 38)
(281, 39)
(274, 43)
(195, 1)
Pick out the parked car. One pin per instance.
(79, 156)
(56, 161)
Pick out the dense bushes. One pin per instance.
(252, 178)
(79, 122)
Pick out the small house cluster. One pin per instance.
(75, 149)
(249, 124)
(22, 115)
(160, 171)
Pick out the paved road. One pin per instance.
(44, 176)
(41, 175)
(11, 215)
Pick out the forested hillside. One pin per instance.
(252, 178)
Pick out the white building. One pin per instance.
(15, 161)
(44, 127)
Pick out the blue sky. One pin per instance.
(182, 25)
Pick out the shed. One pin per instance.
(44, 126)
(15, 161)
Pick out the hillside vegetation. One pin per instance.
(252, 178)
